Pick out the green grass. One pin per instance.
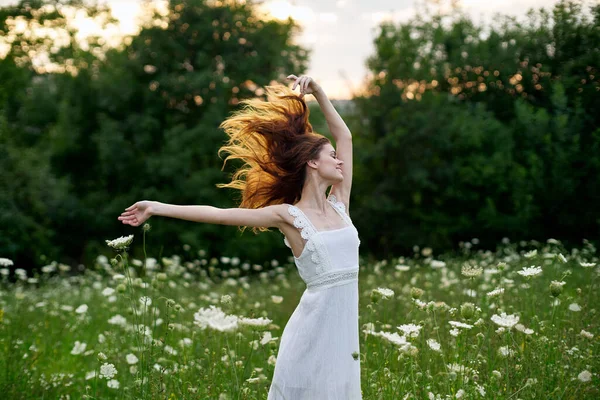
(177, 359)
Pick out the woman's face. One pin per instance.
(328, 165)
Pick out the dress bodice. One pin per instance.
(329, 257)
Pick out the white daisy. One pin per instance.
(530, 254)
(471, 271)
(78, 348)
(267, 338)
(113, 384)
(522, 328)
(410, 330)
(117, 320)
(530, 271)
(131, 358)
(587, 265)
(505, 351)
(574, 307)
(507, 321)
(394, 338)
(120, 243)
(384, 292)
(586, 334)
(495, 292)
(585, 376)
(5, 262)
(108, 371)
(145, 301)
(458, 324)
(434, 345)
(82, 309)
(90, 375)
(257, 322)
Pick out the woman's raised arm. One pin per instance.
(267, 217)
(339, 130)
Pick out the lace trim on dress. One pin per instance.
(307, 231)
(340, 207)
(334, 278)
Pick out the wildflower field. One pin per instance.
(517, 323)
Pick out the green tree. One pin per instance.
(141, 122)
(471, 131)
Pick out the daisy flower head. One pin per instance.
(113, 384)
(394, 338)
(587, 265)
(120, 243)
(5, 262)
(522, 328)
(78, 348)
(276, 299)
(384, 292)
(505, 351)
(530, 271)
(457, 324)
(434, 345)
(506, 321)
(496, 292)
(585, 376)
(586, 334)
(82, 309)
(410, 330)
(255, 322)
(108, 371)
(471, 271)
(530, 254)
(267, 338)
(131, 359)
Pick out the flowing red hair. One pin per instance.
(275, 141)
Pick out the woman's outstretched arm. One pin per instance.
(267, 217)
(339, 130)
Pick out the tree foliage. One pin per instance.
(137, 122)
(474, 131)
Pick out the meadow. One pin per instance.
(520, 322)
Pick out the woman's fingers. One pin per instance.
(307, 83)
(302, 84)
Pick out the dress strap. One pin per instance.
(301, 221)
(340, 208)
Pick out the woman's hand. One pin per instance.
(137, 214)
(306, 84)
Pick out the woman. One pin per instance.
(288, 169)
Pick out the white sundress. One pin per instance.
(315, 360)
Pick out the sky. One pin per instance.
(340, 33)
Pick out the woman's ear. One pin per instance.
(312, 163)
